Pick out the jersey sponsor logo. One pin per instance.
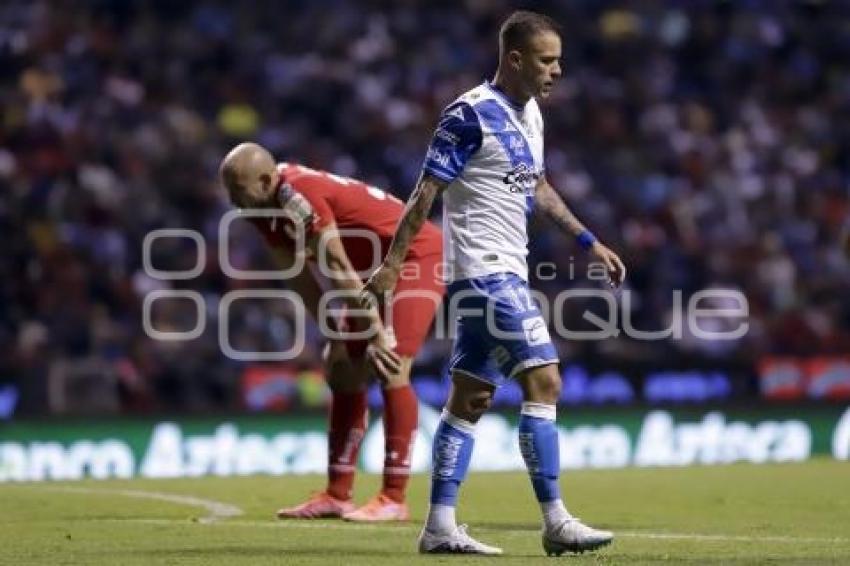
(439, 157)
(521, 178)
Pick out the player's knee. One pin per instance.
(470, 397)
(542, 385)
(552, 390)
(469, 406)
(345, 382)
(480, 402)
(345, 375)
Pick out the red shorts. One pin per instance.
(415, 300)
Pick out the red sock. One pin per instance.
(401, 415)
(347, 428)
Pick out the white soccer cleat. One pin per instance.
(574, 536)
(456, 542)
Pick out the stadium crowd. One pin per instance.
(708, 142)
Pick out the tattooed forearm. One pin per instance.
(415, 213)
(551, 203)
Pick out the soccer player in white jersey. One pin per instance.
(486, 158)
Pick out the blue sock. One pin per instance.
(538, 442)
(452, 451)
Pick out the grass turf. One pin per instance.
(790, 513)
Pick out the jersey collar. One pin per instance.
(503, 97)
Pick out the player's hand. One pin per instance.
(380, 355)
(376, 288)
(615, 267)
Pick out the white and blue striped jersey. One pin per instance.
(490, 151)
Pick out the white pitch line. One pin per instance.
(342, 525)
(730, 538)
(216, 510)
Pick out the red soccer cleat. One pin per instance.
(379, 509)
(320, 505)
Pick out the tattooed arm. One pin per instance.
(415, 213)
(550, 203)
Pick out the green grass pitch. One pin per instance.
(775, 514)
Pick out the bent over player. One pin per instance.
(344, 224)
(486, 158)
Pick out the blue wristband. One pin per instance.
(586, 239)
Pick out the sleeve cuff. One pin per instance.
(438, 174)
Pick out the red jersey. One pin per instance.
(353, 206)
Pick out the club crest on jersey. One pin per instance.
(521, 178)
(457, 113)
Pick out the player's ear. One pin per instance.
(266, 181)
(515, 59)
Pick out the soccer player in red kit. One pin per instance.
(345, 224)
